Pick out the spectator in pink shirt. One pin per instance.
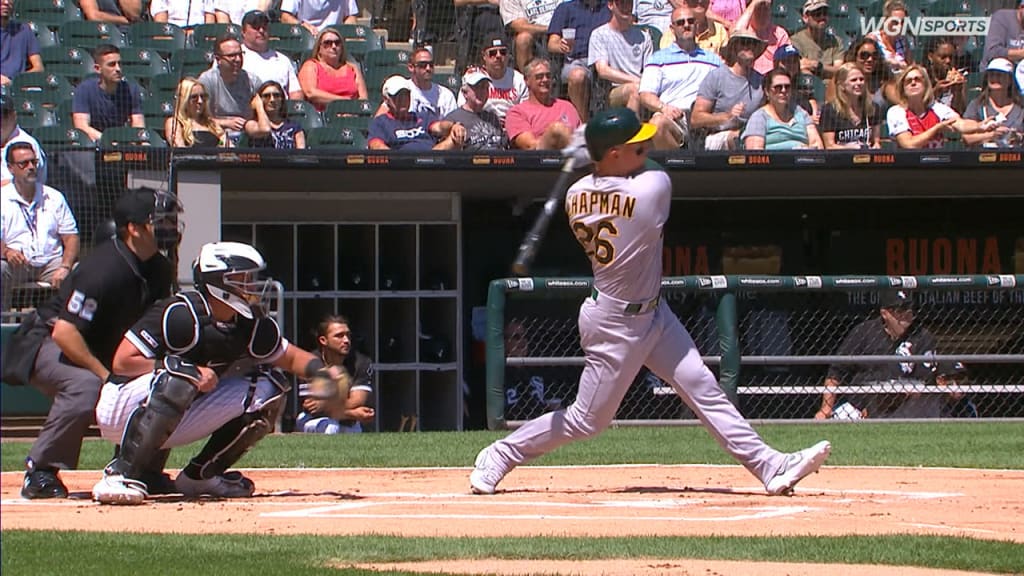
(758, 17)
(726, 12)
(541, 122)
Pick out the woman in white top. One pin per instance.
(918, 121)
(182, 13)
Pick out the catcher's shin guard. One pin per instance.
(232, 440)
(149, 426)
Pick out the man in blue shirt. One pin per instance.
(580, 16)
(19, 49)
(107, 100)
(402, 129)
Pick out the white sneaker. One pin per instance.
(799, 465)
(228, 485)
(485, 477)
(116, 489)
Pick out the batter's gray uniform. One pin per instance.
(624, 325)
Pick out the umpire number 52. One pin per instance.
(81, 306)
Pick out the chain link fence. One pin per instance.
(788, 338)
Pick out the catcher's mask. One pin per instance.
(229, 272)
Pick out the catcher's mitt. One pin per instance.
(325, 387)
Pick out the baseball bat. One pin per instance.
(531, 242)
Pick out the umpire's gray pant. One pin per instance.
(74, 392)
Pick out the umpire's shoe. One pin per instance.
(116, 489)
(227, 485)
(798, 466)
(42, 482)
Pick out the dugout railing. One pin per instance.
(770, 340)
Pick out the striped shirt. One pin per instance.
(675, 75)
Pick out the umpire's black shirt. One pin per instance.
(106, 293)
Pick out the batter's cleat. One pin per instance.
(485, 476)
(42, 483)
(159, 483)
(798, 466)
(116, 489)
(228, 485)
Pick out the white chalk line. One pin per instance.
(949, 528)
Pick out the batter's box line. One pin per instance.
(948, 528)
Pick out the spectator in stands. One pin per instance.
(881, 86)
(402, 129)
(316, 15)
(271, 127)
(182, 14)
(729, 94)
(711, 35)
(950, 84)
(895, 47)
(328, 75)
(850, 120)
(822, 52)
(20, 46)
(483, 127)
(582, 17)
(726, 12)
(669, 83)
(1005, 38)
(230, 87)
(10, 133)
(654, 13)
(541, 122)
(262, 61)
(427, 95)
(39, 236)
(106, 101)
(528, 21)
(780, 124)
(1000, 100)
(334, 340)
(918, 121)
(758, 17)
(192, 125)
(508, 87)
(894, 332)
(475, 20)
(121, 12)
(232, 11)
(618, 53)
(788, 58)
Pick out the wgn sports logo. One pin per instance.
(926, 25)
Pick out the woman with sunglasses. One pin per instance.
(918, 121)
(192, 125)
(878, 80)
(1000, 102)
(780, 124)
(271, 127)
(850, 120)
(328, 75)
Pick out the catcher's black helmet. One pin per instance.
(613, 127)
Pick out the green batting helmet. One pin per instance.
(614, 127)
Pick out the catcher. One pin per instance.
(335, 409)
(172, 385)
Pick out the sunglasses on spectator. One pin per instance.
(231, 56)
(685, 22)
(332, 42)
(25, 163)
(782, 88)
(867, 54)
(542, 75)
(198, 96)
(272, 95)
(495, 52)
(819, 13)
(424, 64)
(913, 80)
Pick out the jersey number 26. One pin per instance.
(596, 240)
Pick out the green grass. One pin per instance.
(952, 444)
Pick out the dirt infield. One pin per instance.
(568, 501)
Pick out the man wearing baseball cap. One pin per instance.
(508, 86)
(400, 128)
(1005, 37)
(483, 127)
(821, 52)
(262, 61)
(625, 325)
(729, 94)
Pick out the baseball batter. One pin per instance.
(617, 214)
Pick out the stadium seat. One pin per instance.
(348, 108)
(358, 123)
(129, 136)
(376, 75)
(452, 82)
(89, 34)
(44, 88)
(163, 86)
(191, 62)
(56, 136)
(156, 112)
(204, 35)
(359, 40)
(291, 39)
(46, 37)
(32, 115)
(142, 63)
(304, 114)
(70, 62)
(387, 59)
(50, 13)
(164, 37)
(331, 138)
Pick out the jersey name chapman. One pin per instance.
(610, 203)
